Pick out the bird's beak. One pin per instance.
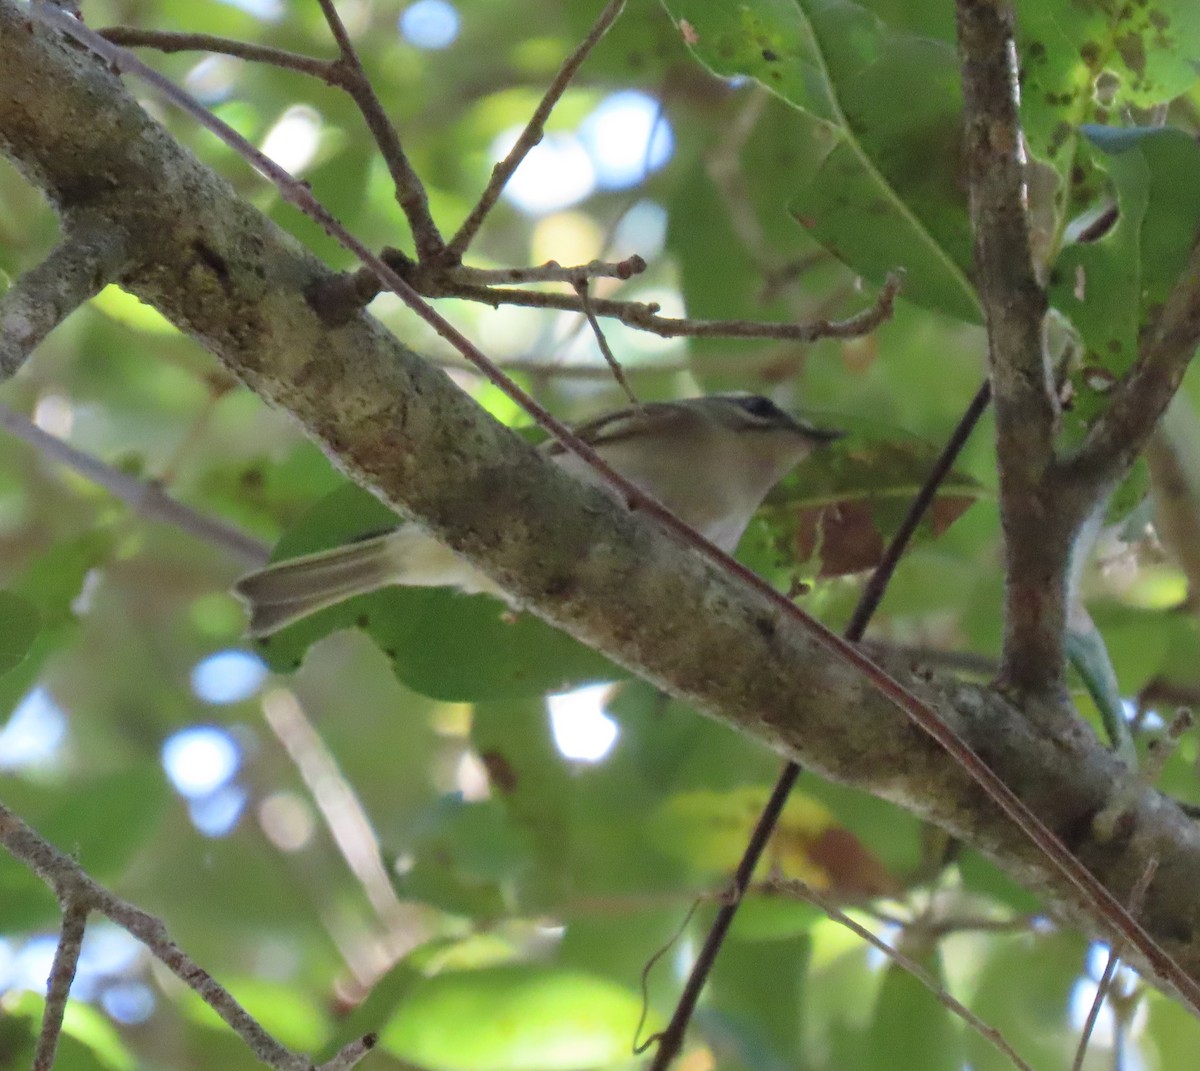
(819, 435)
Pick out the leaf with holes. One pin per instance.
(888, 192)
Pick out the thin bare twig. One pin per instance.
(872, 594)
(78, 891)
(1159, 690)
(146, 498)
(1136, 897)
(1058, 857)
(804, 891)
(645, 315)
(671, 1038)
(350, 1054)
(539, 369)
(62, 974)
(1089, 1025)
(550, 272)
(89, 256)
(343, 295)
(640, 1047)
(531, 135)
(581, 288)
(173, 41)
(410, 190)
(346, 73)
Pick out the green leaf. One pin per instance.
(981, 876)
(1024, 989)
(841, 993)
(104, 821)
(514, 741)
(28, 903)
(1149, 49)
(128, 310)
(295, 1018)
(88, 1040)
(1142, 52)
(887, 194)
(514, 1018)
(20, 624)
(910, 1027)
(50, 586)
(1110, 287)
(441, 643)
(840, 506)
(1171, 1033)
(464, 855)
(750, 1008)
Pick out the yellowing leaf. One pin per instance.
(709, 830)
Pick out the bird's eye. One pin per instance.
(758, 406)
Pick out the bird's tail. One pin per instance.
(283, 593)
(408, 556)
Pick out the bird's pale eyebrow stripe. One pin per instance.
(609, 428)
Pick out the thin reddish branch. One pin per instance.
(1136, 898)
(804, 891)
(410, 190)
(585, 299)
(173, 41)
(550, 272)
(340, 297)
(646, 316)
(531, 135)
(350, 1054)
(670, 1040)
(346, 73)
(146, 497)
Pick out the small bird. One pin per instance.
(710, 460)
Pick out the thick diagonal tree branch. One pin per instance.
(226, 275)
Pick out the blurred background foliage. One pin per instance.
(407, 835)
